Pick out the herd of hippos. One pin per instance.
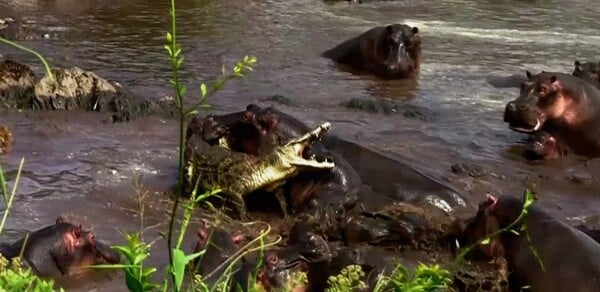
(344, 195)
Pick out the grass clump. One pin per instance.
(424, 278)
(15, 277)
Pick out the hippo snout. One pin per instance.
(510, 111)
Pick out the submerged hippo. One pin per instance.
(589, 71)
(62, 249)
(571, 259)
(392, 51)
(564, 106)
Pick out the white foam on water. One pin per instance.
(501, 35)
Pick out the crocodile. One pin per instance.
(237, 174)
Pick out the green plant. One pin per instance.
(14, 277)
(349, 278)
(424, 278)
(177, 258)
(46, 65)
(528, 200)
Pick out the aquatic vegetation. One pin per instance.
(349, 279)
(424, 278)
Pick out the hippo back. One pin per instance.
(571, 258)
(393, 177)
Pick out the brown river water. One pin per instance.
(77, 164)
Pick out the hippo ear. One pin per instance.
(528, 74)
(389, 29)
(491, 199)
(553, 79)
(77, 231)
(59, 220)
(415, 30)
(577, 63)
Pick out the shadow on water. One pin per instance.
(76, 163)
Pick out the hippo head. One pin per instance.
(218, 245)
(589, 71)
(75, 249)
(305, 249)
(400, 51)
(543, 146)
(494, 213)
(542, 98)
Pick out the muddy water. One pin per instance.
(77, 164)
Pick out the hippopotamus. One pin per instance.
(593, 233)
(392, 51)
(542, 145)
(564, 106)
(62, 249)
(570, 260)
(589, 71)
(219, 245)
(306, 251)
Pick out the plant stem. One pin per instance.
(46, 66)
(12, 195)
(178, 97)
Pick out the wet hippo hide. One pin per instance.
(392, 177)
(567, 259)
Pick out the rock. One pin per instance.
(78, 89)
(6, 140)
(17, 83)
(472, 170)
(388, 107)
(281, 99)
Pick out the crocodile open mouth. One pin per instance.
(294, 149)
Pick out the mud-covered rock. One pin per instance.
(17, 83)
(481, 277)
(6, 139)
(470, 169)
(388, 107)
(281, 99)
(79, 89)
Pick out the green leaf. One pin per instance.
(169, 37)
(179, 61)
(203, 89)
(179, 264)
(182, 90)
(514, 231)
(169, 50)
(485, 241)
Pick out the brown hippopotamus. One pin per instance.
(564, 106)
(589, 71)
(62, 249)
(570, 258)
(391, 51)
